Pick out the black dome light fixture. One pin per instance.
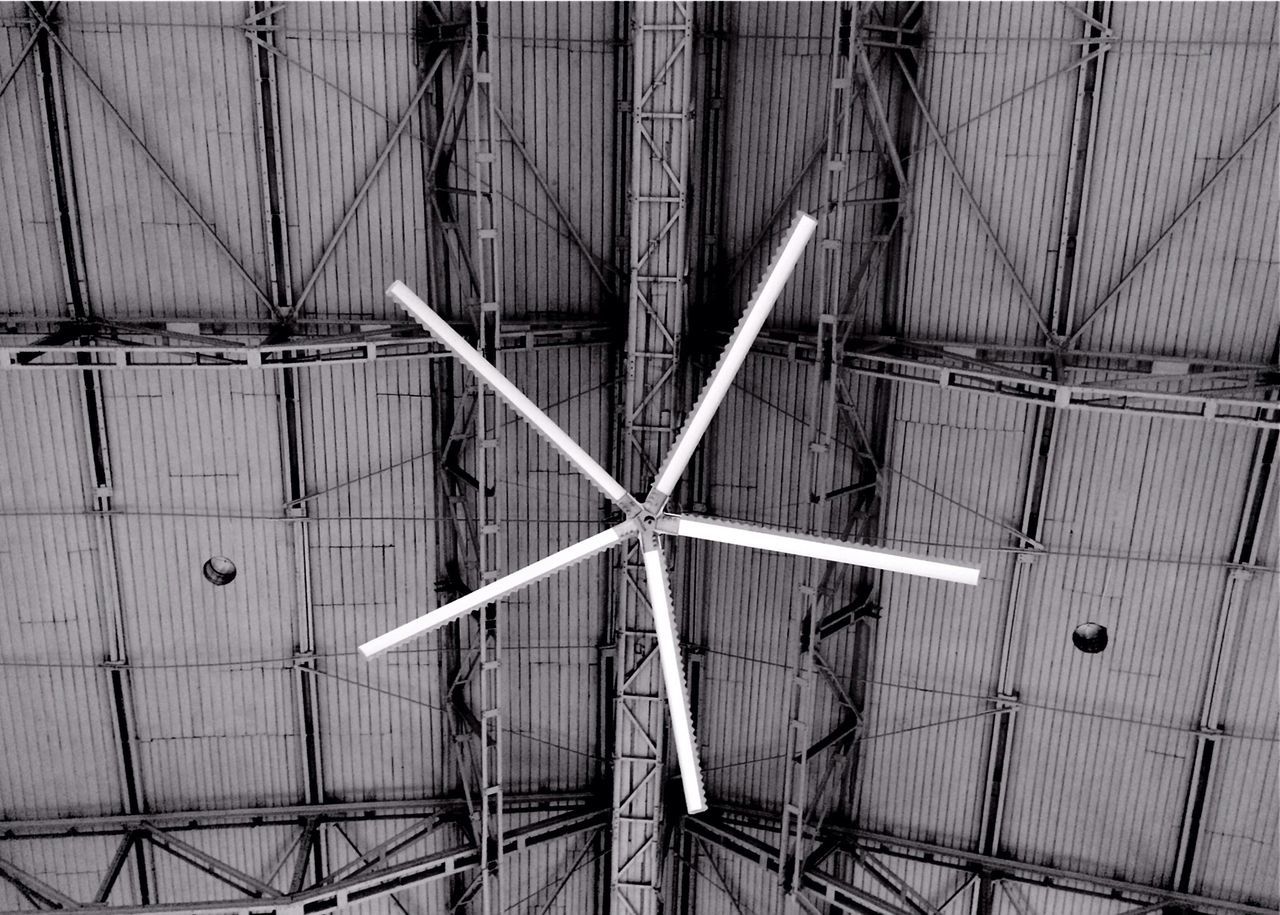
(1090, 638)
(219, 570)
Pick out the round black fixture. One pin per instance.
(1090, 637)
(220, 570)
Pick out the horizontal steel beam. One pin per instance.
(182, 344)
(377, 884)
(242, 817)
(1132, 383)
(994, 866)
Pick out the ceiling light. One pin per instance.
(731, 360)
(673, 678)
(219, 570)
(816, 548)
(1090, 638)
(496, 589)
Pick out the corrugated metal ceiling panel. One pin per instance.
(66, 763)
(743, 600)
(937, 645)
(551, 630)
(554, 69)
(1183, 88)
(532, 876)
(52, 622)
(45, 465)
(29, 286)
(212, 693)
(195, 443)
(727, 883)
(1014, 159)
(1112, 732)
(348, 75)
(776, 120)
(180, 74)
(1238, 845)
(1239, 842)
(368, 470)
(197, 472)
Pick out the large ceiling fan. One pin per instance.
(649, 520)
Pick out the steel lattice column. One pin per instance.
(819, 468)
(660, 139)
(482, 141)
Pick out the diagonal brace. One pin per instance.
(164, 173)
(206, 862)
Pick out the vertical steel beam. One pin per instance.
(808, 606)
(264, 33)
(1208, 749)
(483, 143)
(660, 133)
(895, 128)
(305, 664)
(710, 276)
(1084, 129)
(1096, 22)
(707, 307)
(262, 29)
(612, 598)
(62, 189)
(457, 538)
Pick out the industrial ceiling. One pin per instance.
(1037, 331)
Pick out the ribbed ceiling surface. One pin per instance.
(1139, 518)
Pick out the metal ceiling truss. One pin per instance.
(104, 344)
(488, 815)
(812, 602)
(999, 867)
(705, 215)
(1141, 384)
(1221, 399)
(453, 806)
(457, 552)
(862, 497)
(576, 816)
(365, 876)
(660, 138)
(62, 188)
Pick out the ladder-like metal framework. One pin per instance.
(807, 607)
(485, 252)
(660, 141)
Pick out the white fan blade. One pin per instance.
(540, 421)
(655, 570)
(744, 335)
(496, 589)
(776, 541)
